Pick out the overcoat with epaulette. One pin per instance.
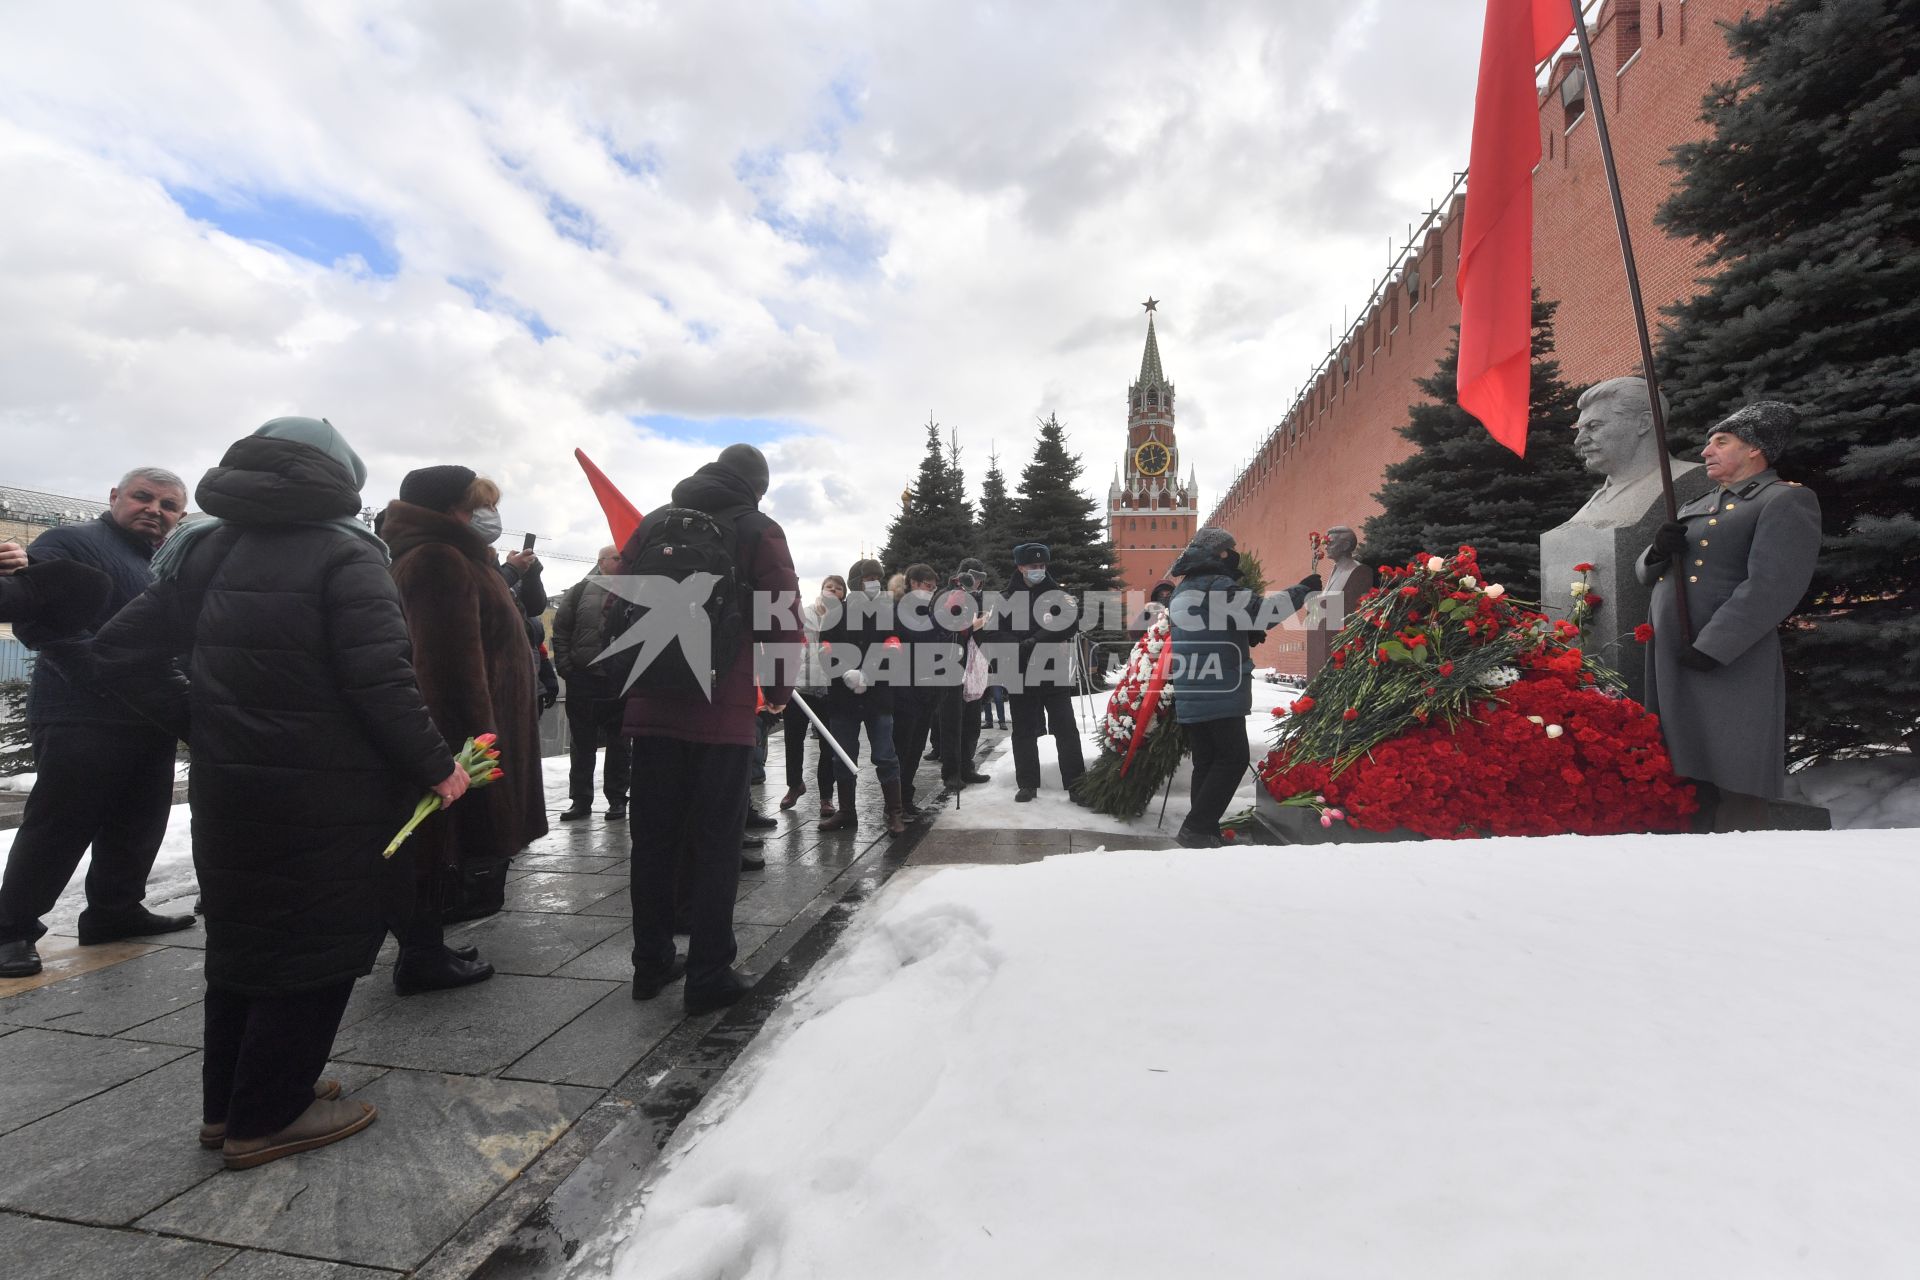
(1750, 555)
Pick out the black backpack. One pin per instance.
(676, 543)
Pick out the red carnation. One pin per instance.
(1644, 633)
(1409, 591)
(1302, 705)
(1595, 599)
(1351, 713)
(1446, 668)
(1583, 568)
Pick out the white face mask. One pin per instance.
(486, 523)
(871, 586)
(1034, 577)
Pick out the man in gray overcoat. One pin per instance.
(1748, 550)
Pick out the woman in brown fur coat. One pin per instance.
(475, 669)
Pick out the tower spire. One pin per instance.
(1150, 373)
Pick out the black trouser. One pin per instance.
(959, 732)
(694, 798)
(263, 1054)
(797, 726)
(105, 785)
(912, 722)
(591, 724)
(1220, 756)
(1045, 710)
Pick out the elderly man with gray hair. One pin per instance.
(1747, 551)
(104, 773)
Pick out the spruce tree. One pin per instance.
(1463, 487)
(936, 526)
(1807, 197)
(997, 530)
(1050, 508)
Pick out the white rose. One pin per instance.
(1435, 564)
(1554, 731)
(1468, 582)
(1579, 589)
(1495, 591)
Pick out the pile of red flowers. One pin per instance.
(1472, 716)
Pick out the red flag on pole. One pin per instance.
(622, 516)
(1495, 282)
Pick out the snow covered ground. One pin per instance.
(1630, 1056)
(990, 806)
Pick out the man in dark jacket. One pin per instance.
(691, 753)
(593, 693)
(954, 719)
(105, 772)
(311, 743)
(1044, 642)
(1211, 616)
(924, 647)
(864, 655)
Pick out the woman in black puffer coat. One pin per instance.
(311, 744)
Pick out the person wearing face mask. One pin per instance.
(1044, 703)
(470, 654)
(955, 720)
(813, 685)
(861, 695)
(921, 639)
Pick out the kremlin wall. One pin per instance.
(1320, 466)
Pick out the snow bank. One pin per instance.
(173, 879)
(1881, 792)
(1645, 1056)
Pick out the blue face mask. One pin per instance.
(1034, 577)
(486, 523)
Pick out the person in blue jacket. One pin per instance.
(1211, 616)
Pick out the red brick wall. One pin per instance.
(1322, 465)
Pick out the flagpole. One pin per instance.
(1595, 97)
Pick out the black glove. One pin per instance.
(67, 596)
(1694, 660)
(1669, 540)
(547, 698)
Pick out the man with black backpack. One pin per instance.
(688, 577)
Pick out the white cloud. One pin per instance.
(845, 215)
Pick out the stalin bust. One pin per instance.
(1747, 550)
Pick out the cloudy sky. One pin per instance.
(492, 232)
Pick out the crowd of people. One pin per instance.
(324, 674)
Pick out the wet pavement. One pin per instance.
(516, 1115)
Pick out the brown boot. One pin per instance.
(846, 819)
(325, 1122)
(896, 823)
(213, 1135)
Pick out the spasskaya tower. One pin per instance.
(1151, 512)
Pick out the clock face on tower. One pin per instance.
(1152, 458)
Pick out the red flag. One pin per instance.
(1495, 282)
(622, 516)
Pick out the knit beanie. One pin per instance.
(322, 435)
(749, 464)
(436, 488)
(1203, 551)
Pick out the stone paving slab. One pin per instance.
(584, 864)
(252, 1264)
(32, 1247)
(42, 1072)
(605, 1042)
(62, 957)
(473, 1030)
(143, 1131)
(560, 891)
(113, 999)
(534, 943)
(442, 1147)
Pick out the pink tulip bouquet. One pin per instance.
(480, 758)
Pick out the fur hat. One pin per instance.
(1203, 551)
(436, 488)
(1767, 425)
(1032, 553)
